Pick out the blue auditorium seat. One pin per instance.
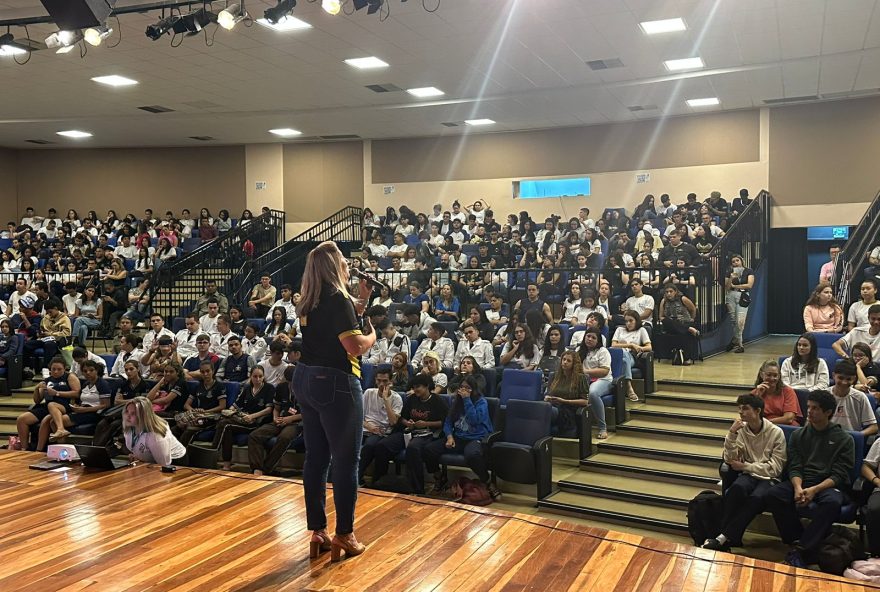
(522, 453)
(520, 384)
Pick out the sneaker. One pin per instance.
(794, 559)
(739, 349)
(45, 373)
(715, 545)
(494, 491)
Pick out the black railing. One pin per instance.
(343, 226)
(851, 260)
(747, 236)
(174, 285)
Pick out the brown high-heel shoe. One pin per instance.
(346, 543)
(319, 543)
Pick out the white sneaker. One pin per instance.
(45, 373)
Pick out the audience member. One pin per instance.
(147, 435)
(780, 401)
(596, 361)
(805, 370)
(382, 407)
(252, 408)
(822, 313)
(853, 411)
(285, 427)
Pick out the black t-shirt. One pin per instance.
(332, 319)
(434, 409)
(283, 401)
(177, 404)
(251, 402)
(129, 391)
(207, 398)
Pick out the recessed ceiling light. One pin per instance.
(287, 23)
(479, 121)
(707, 102)
(425, 91)
(684, 64)
(367, 63)
(285, 132)
(74, 134)
(663, 26)
(115, 80)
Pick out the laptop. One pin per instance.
(97, 457)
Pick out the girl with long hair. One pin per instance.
(633, 339)
(780, 401)
(822, 313)
(568, 391)
(520, 351)
(805, 370)
(327, 386)
(147, 435)
(596, 361)
(468, 366)
(400, 377)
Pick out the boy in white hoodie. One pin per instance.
(754, 449)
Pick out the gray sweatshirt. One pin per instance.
(763, 453)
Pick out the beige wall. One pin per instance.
(128, 180)
(825, 153)
(8, 187)
(320, 179)
(709, 139)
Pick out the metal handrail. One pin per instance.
(853, 254)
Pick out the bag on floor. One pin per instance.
(704, 516)
(678, 358)
(839, 550)
(470, 491)
(866, 571)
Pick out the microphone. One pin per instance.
(367, 278)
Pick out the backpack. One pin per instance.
(470, 491)
(839, 550)
(678, 358)
(704, 516)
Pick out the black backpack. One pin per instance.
(704, 516)
(840, 548)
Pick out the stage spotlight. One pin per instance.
(231, 16)
(194, 22)
(95, 35)
(63, 39)
(164, 25)
(279, 11)
(10, 47)
(331, 6)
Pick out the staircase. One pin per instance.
(667, 452)
(854, 256)
(10, 408)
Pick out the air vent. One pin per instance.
(40, 142)
(451, 123)
(605, 64)
(202, 105)
(636, 108)
(155, 109)
(384, 88)
(341, 137)
(791, 100)
(202, 138)
(850, 93)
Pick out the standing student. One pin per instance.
(328, 389)
(740, 280)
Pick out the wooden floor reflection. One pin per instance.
(139, 529)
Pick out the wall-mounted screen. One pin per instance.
(538, 188)
(828, 233)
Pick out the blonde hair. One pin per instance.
(147, 420)
(323, 267)
(571, 378)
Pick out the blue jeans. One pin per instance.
(81, 328)
(332, 407)
(598, 388)
(628, 362)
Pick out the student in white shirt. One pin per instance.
(220, 339)
(597, 365)
(70, 298)
(80, 355)
(252, 344)
(147, 435)
(639, 302)
(285, 302)
(382, 407)
(520, 350)
(436, 342)
(473, 345)
(854, 411)
(633, 339)
(157, 330)
(858, 311)
(186, 338)
(389, 344)
(805, 370)
(208, 321)
(869, 335)
(129, 350)
(274, 366)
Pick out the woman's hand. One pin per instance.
(762, 388)
(450, 442)
(514, 346)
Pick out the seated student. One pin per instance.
(867, 370)
(467, 423)
(754, 449)
(853, 411)
(60, 386)
(477, 317)
(208, 321)
(520, 351)
(447, 306)
(869, 334)
(596, 362)
(80, 355)
(531, 301)
(633, 339)
(54, 334)
(110, 425)
(431, 367)
(870, 472)
(285, 427)
(237, 320)
(193, 364)
(780, 401)
(468, 366)
(677, 315)
(436, 342)
(497, 315)
(553, 345)
(569, 389)
(209, 399)
(805, 370)
(185, 340)
(236, 367)
(129, 349)
(220, 339)
(157, 330)
(274, 365)
(382, 408)
(820, 457)
(400, 375)
(822, 313)
(419, 423)
(9, 342)
(474, 345)
(254, 345)
(415, 324)
(859, 311)
(254, 404)
(161, 354)
(641, 303)
(147, 435)
(594, 321)
(169, 393)
(94, 397)
(389, 344)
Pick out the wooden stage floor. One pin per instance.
(140, 529)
